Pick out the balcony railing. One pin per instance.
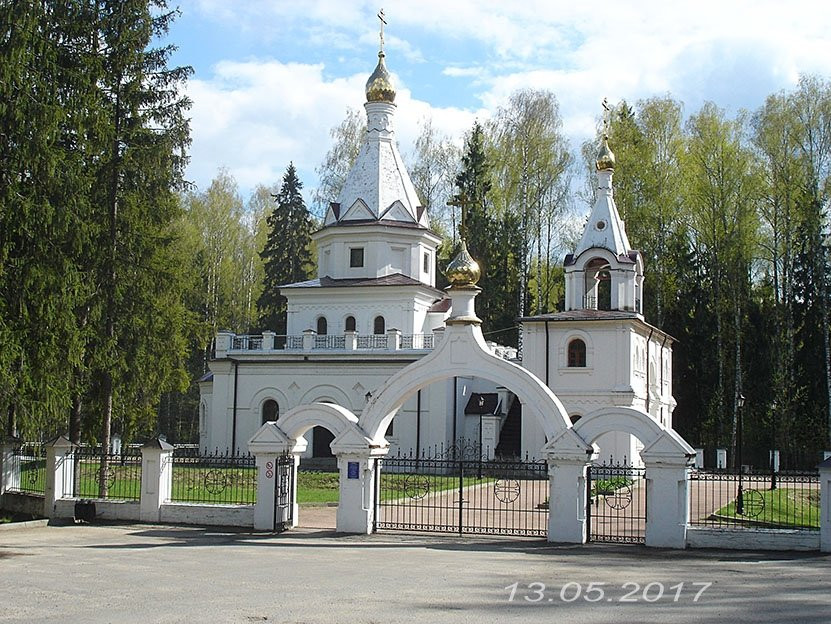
(310, 341)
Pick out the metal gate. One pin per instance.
(616, 503)
(461, 491)
(283, 468)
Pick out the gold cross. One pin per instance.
(607, 111)
(381, 17)
(461, 200)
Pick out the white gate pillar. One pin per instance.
(825, 505)
(59, 474)
(568, 456)
(356, 505)
(9, 468)
(358, 467)
(268, 446)
(156, 478)
(667, 493)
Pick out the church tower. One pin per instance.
(604, 273)
(376, 253)
(600, 351)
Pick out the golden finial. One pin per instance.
(379, 87)
(463, 270)
(605, 157)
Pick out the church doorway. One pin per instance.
(321, 441)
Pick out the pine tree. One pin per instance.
(287, 253)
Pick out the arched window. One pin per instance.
(271, 411)
(576, 353)
(321, 326)
(598, 285)
(575, 418)
(350, 323)
(379, 326)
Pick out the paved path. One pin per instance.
(145, 573)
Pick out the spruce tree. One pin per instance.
(493, 241)
(287, 252)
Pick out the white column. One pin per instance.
(9, 469)
(350, 339)
(825, 506)
(223, 344)
(59, 474)
(567, 500)
(156, 478)
(490, 435)
(264, 510)
(393, 339)
(721, 458)
(699, 458)
(268, 340)
(667, 504)
(309, 339)
(356, 506)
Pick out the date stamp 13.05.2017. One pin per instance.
(630, 591)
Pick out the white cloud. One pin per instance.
(256, 115)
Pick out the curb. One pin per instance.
(31, 524)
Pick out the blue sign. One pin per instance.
(352, 470)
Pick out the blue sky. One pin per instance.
(272, 77)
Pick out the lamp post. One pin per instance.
(739, 441)
(774, 416)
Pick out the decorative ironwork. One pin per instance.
(219, 478)
(416, 486)
(793, 504)
(507, 490)
(115, 476)
(754, 503)
(458, 490)
(215, 481)
(616, 502)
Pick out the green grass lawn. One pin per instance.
(323, 487)
(783, 507)
(236, 485)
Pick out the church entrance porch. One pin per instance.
(616, 503)
(460, 491)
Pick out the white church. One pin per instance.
(374, 309)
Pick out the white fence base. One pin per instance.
(755, 539)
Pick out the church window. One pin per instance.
(356, 257)
(350, 323)
(322, 328)
(576, 354)
(426, 262)
(575, 418)
(271, 411)
(379, 326)
(600, 225)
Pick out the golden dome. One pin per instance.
(605, 157)
(463, 270)
(379, 87)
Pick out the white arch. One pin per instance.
(326, 392)
(299, 420)
(650, 432)
(255, 405)
(461, 352)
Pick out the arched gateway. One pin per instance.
(359, 442)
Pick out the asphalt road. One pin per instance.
(144, 573)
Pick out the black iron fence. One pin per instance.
(218, 478)
(755, 499)
(28, 469)
(616, 502)
(457, 491)
(98, 474)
